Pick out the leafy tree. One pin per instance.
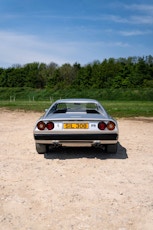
(83, 79)
(54, 80)
(32, 75)
(3, 79)
(131, 72)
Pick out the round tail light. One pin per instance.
(102, 125)
(41, 125)
(50, 125)
(111, 125)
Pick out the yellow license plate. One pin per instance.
(76, 126)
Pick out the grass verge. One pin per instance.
(114, 108)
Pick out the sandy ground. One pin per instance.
(75, 188)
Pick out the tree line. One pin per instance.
(131, 72)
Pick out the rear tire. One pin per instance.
(111, 148)
(41, 149)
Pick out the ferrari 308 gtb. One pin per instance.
(76, 122)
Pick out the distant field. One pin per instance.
(114, 108)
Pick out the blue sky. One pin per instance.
(69, 31)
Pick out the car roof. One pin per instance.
(77, 100)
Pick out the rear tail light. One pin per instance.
(111, 125)
(41, 125)
(50, 125)
(102, 125)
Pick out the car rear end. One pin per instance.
(76, 130)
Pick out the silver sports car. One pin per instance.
(76, 122)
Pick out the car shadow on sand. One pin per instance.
(64, 153)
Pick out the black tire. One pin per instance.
(41, 149)
(111, 148)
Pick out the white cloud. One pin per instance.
(134, 32)
(140, 7)
(139, 19)
(142, 14)
(135, 19)
(21, 48)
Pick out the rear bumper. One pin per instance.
(76, 139)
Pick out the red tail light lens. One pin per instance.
(41, 125)
(111, 125)
(102, 125)
(50, 125)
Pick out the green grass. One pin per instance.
(38, 106)
(122, 94)
(114, 108)
(129, 108)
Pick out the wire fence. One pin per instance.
(30, 99)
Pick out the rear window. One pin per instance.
(76, 107)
